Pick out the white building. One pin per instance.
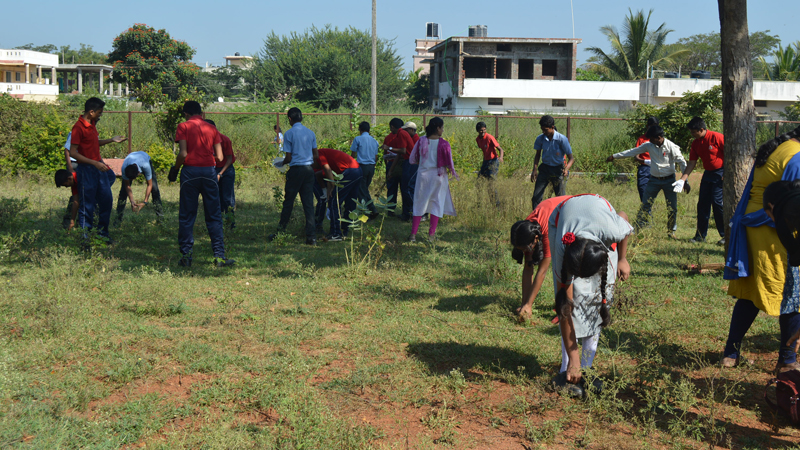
(21, 75)
(769, 97)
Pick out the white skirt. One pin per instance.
(432, 194)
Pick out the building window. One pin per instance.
(495, 102)
(8, 77)
(525, 69)
(19, 76)
(760, 103)
(478, 68)
(559, 103)
(503, 47)
(503, 69)
(549, 68)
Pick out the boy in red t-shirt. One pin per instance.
(226, 178)
(334, 161)
(710, 147)
(399, 144)
(492, 157)
(95, 187)
(66, 179)
(200, 150)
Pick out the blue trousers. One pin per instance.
(654, 186)
(351, 183)
(94, 190)
(710, 198)
(391, 185)
(642, 177)
(227, 198)
(744, 313)
(548, 175)
(196, 181)
(367, 172)
(407, 185)
(299, 180)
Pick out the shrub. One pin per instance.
(10, 208)
(32, 136)
(162, 157)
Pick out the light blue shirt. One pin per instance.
(142, 160)
(365, 148)
(299, 141)
(553, 150)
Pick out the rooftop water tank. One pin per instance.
(478, 31)
(432, 30)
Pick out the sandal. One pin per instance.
(784, 367)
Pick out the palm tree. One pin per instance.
(786, 65)
(631, 52)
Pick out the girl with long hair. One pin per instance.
(432, 189)
(588, 246)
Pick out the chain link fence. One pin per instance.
(252, 134)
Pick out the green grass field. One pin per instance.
(417, 347)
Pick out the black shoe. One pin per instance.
(697, 239)
(311, 241)
(185, 261)
(224, 262)
(560, 384)
(272, 237)
(335, 238)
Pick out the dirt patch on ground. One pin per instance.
(176, 388)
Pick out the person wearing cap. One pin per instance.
(134, 164)
(411, 183)
(397, 148)
(365, 149)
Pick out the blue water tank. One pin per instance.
(700, 74)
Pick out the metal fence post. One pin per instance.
(497, 126)
(130, 131)
(569, 127)
(424, 120)
(777, 128)
(351, 121)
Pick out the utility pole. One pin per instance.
(374, 105)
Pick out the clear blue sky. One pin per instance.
(219, 28)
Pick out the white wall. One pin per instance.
(29, 57)
(550, 89)
(29, 88)
(468, 106)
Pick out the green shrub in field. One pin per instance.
(32, 136)
(10, 208)
(162, 157)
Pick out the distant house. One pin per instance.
(769, 97)
(21, 75)
(238, 60)
(502, 75)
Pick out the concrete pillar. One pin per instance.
(38, 73)
(27, 73)
(100, 77)
(80, 81)
(127, 90)
(53, 76)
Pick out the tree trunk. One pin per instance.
(738, 111)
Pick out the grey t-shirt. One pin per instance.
(589, 217)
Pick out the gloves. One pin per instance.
(678, 186)
(173, 174)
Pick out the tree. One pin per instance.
(704, 53)
(226, 81)
(327, 67)
(418, 90)
(141, 55)
(632, 52)
(738, 112)
(785, 65)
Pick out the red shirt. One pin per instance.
(642, 139)
(488, 144)
(337, 160)
(85, 136)
(74, 183)
(710, 148)
(541, 215)
(200, 137)
(227, 149)
(401, 140)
